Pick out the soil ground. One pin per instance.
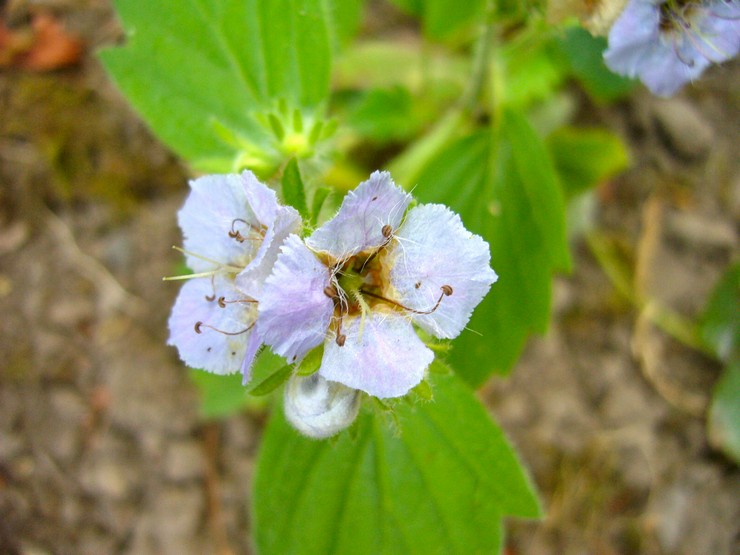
(101, 446)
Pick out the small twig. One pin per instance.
(112, 293)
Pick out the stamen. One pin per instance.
(387, 230)
(235, 234)
(217, 263)
(190, 276)
(331, 291)
(212, 297)
(446, 292)
(199, 325)
(222, 302)
(341, 338)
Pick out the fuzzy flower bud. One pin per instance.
(319, 408)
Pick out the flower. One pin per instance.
(360, 282)
(233, 228)
(319, 408)
(667, 43)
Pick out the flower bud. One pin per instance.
(319, 408)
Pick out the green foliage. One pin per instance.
(529, 69)
(441, 484)
(294, 193)
(724, 412)
(222, 396)
(442, 18)
(584, 55)
(720, 323)
(585, 157)
(385, 114)
(503, 185)
(720, 332)
(202, 63)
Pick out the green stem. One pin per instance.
(407, 167)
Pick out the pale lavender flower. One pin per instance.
(233, 229)
(360, 282)
(667, 43)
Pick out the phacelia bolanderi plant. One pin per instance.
(667, 43)
(360, 283)
(233, 227)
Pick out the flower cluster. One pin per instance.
(355, 289)
(667, 43)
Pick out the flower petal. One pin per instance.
(384, 357)
(210, 211)
(251, 280)
(294, 312)
(359, 223)
(210, 350)
(319, 408)
(433, 249)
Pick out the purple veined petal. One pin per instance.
(664, 73)
(251, 280)
(359, 223)
(635, 32)
(215, 204)
(294, 311)
(210, 350)
(384, 357)
(719, 31)
(432, 250)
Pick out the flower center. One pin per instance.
(675, 15)
(362, 284)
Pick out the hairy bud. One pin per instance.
(319, 408)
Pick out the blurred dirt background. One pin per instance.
(101, 446)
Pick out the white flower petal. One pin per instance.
(358, 225)
(210, 211)
(210, 350)
(431, 250)
(294, 311)
(384, 357)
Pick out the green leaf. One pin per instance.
(221, 396)
(503, 185)
(584, 53)
(385, 114)
(530, 69)
(187, 66)
(724, 412)
(720, 322)
(440, 485)
(294, 193)
(585, 157)
(271, 382)
(442, 18)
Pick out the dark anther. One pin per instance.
(341, 339)
(197, 327)
(210, 298)
(387, 230)
(375, 198)
(417, 284)
(331, 291)
(221, 302)
(235, 234)
(447, 290)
